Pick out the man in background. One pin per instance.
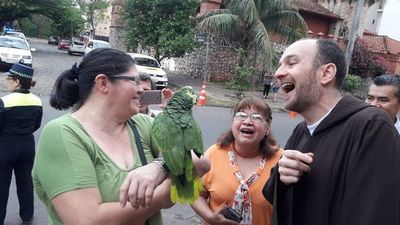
(147, 84)
(384, 93)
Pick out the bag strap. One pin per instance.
(139, 145)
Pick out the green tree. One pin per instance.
(66, 19)
(93, 11)
(11, 10)
(165, 26)
(68, 24)
(252, 23)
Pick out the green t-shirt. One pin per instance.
(67, 158)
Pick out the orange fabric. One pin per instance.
(221, 184)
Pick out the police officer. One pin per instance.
(20, 116)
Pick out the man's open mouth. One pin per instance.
(287, 87)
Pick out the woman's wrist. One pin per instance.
(161, 164)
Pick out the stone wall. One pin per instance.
(346, 11)
(216, 65)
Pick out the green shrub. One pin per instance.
(352, 83)
(242, 77)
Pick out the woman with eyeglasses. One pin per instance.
(240, 165)
(20, 116)
(90, 159)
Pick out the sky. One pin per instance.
(390, 22)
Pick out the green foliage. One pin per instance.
(241, 80)
(352, 83)
(252, 22)
(93, 11)
(29, 28)
(11, 10)
(66, 18)
(165, 26)
(68, 24)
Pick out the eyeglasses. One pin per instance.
(130, 78)
(255, 117)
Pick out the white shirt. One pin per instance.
(313, 126)
(397, 124)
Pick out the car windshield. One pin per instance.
(13, 43)
(146, 62)
(101, 45)
(18, 35)
(78, 43)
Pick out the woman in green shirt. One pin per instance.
(83, 157)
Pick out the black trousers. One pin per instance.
(266, 89)
(17, 154)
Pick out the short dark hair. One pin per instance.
(73, 86)
(26, 83)
(268, 144)
(329, 52)
(389, 80)
(146, 77)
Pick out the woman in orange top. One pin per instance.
(240, 165)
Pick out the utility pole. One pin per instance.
(353, 32)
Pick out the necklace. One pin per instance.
(245, 154)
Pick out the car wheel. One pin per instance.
(69, 53)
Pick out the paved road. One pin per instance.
(50, 62)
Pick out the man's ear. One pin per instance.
(328, 73)
(102, 83)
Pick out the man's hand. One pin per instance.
(293, 164)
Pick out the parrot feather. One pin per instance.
(176, 133)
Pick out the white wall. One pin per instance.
(373, 18)
(390, 24)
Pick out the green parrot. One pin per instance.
(176, 134)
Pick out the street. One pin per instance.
(49, 62)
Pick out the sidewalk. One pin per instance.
(218, 95)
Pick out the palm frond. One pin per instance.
(222, 24)
(246, 9)
(284, 23)
(212, 13)
(261, 41)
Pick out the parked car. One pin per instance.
(14, 50)
(53, 40)
(64, 44)
(76, 46)
(92, 44)
(149, 65)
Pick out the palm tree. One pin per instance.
(254, 22)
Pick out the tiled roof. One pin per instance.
(312, 7)
(382, 44)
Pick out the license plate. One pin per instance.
(9, 60)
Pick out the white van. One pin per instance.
(149, 65)
(92, 44)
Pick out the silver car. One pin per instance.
(77, 47)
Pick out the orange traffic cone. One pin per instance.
(202, 98)
(292, 114)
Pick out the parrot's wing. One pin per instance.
(193, 137)
(169, 139)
